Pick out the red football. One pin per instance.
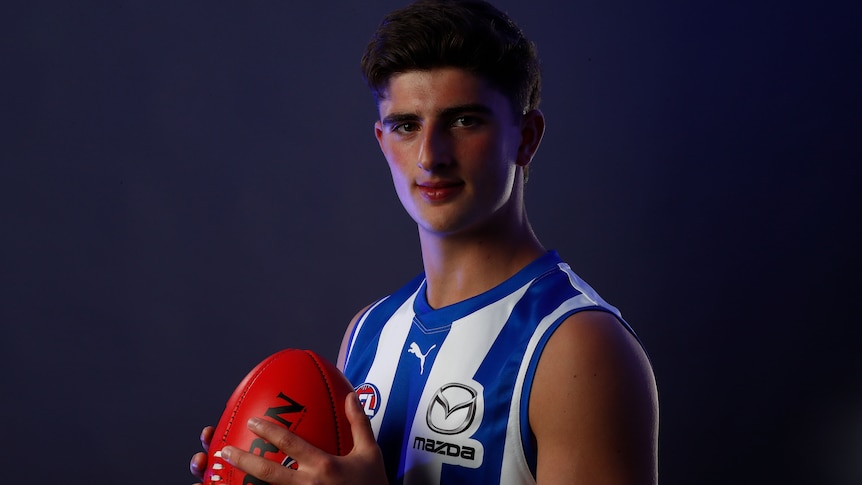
(297, 389)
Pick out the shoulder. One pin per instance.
(593, 406)
(597, 340)
(345, 340)
(383, 307)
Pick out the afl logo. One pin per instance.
(369, 398)
(452, 409)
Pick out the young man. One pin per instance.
(498, 364)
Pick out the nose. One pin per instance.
(436, 150)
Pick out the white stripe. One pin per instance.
(588, 290)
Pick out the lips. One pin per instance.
(439, 191)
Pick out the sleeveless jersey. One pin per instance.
(447, 389)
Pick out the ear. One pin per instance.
(378, 133)
(532, 130)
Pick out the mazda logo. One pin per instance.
(452, 409)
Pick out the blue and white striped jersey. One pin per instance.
(447, 389)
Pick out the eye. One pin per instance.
(405, 127)
(466, 121)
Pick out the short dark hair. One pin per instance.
(469, 34)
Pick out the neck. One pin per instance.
(461, 266)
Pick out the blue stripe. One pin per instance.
(394, 437)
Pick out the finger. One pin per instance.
(198, 465)
(207, 437)
(360, 425)
(265, 470)
(286, 441)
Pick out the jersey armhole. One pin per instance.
(528, 438)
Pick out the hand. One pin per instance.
(199, 461)
(364, 463)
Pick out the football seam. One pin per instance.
(329, 393)
(242, 397)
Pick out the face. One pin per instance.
(455, 149)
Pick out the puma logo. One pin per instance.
(415, 350)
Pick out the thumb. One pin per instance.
(360, 425)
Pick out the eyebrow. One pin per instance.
(466, 108)
(450, 112)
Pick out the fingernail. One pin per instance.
(225, 453)
(254, 423)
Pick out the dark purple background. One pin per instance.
(185, 185)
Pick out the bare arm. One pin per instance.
(594, 406)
